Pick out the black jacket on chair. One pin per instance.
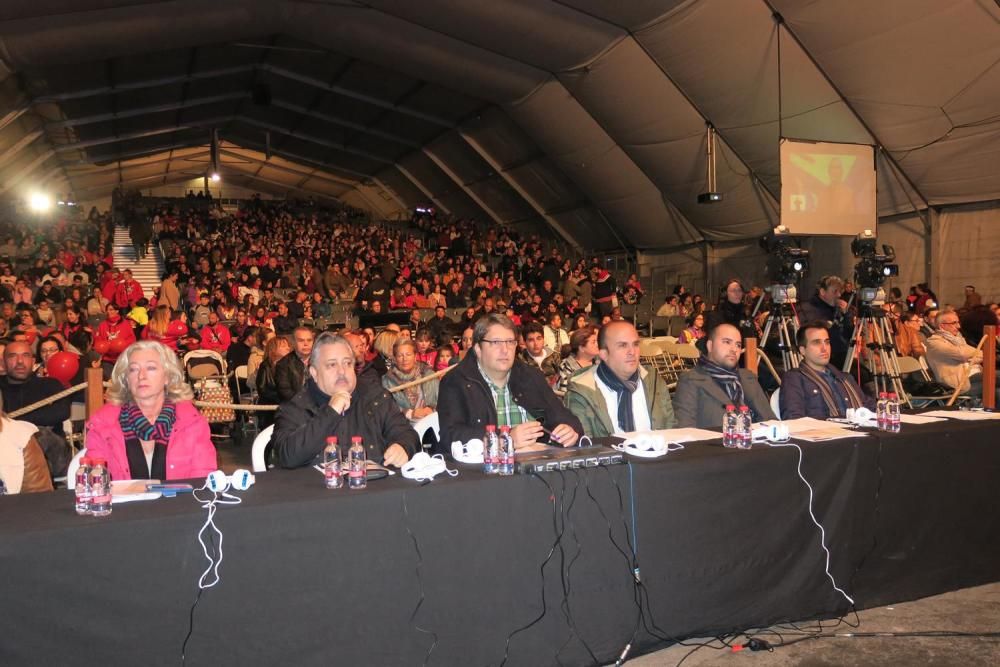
(466, 406)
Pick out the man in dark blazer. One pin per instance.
(817, 388)
(716, 381)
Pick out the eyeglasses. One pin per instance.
(509, 342)
(951, 322)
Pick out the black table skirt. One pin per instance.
(310, 576)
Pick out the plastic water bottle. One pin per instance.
(882, 411)
(729, 427)
(81, 486)
(506, 452)
(358, 465)
(100, 488)
(331, 464)
(491, 451)
(892, 414)
(745, 427)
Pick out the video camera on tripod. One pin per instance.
(872, 268)
(786, 264)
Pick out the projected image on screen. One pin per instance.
(827, 188)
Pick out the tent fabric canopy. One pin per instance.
(585, 117)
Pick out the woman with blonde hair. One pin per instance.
(161, 327)
(150, 429)
(384, 343)
(23, 468)
(275, 349)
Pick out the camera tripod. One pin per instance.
(782, 321)
(874, 331)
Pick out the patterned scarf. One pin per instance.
(728, 379)
(135, 425)
(853, 398)
(624, 389)
(415, 394)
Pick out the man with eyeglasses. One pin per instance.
(492, 386)
(953, 361)
(716, 381)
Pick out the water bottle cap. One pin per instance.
(744, 408)
(892, 395)
(505, 429)
(331, 440)
(490, 428)
(98, 462)
(883, 394)
(85, 461)
(730, 406)
(355, 439)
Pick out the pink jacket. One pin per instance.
(190, 452)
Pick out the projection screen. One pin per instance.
(827, 188)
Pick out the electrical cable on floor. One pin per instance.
(641, 594)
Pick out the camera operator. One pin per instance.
(826, 305)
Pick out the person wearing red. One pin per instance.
(129, 291)
(113, 335)
(109, 283)
(214, 336)
(150, 429)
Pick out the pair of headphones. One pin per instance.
(649, 446)
(240, 480)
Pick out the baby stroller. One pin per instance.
(207, 373)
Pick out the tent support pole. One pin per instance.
(706, 256)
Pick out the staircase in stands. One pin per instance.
(147, 271)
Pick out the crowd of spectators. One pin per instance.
(257, 285)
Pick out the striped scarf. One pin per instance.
(728, 379)
(853, 398)
(134, 424)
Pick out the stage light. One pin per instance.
(39, 202)
(215, 177)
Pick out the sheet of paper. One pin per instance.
(675, 434)
(964, 415)
(919, 419)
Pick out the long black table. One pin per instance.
(723, 540)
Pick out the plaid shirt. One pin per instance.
(509, 413)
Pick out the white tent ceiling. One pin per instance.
(581, 115)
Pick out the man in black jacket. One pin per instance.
(290, 372)
(333, 403)
(491, 386)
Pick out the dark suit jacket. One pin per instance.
(800, 397)
(700, 402)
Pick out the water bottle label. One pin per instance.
(102, 499)
(357, 473)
